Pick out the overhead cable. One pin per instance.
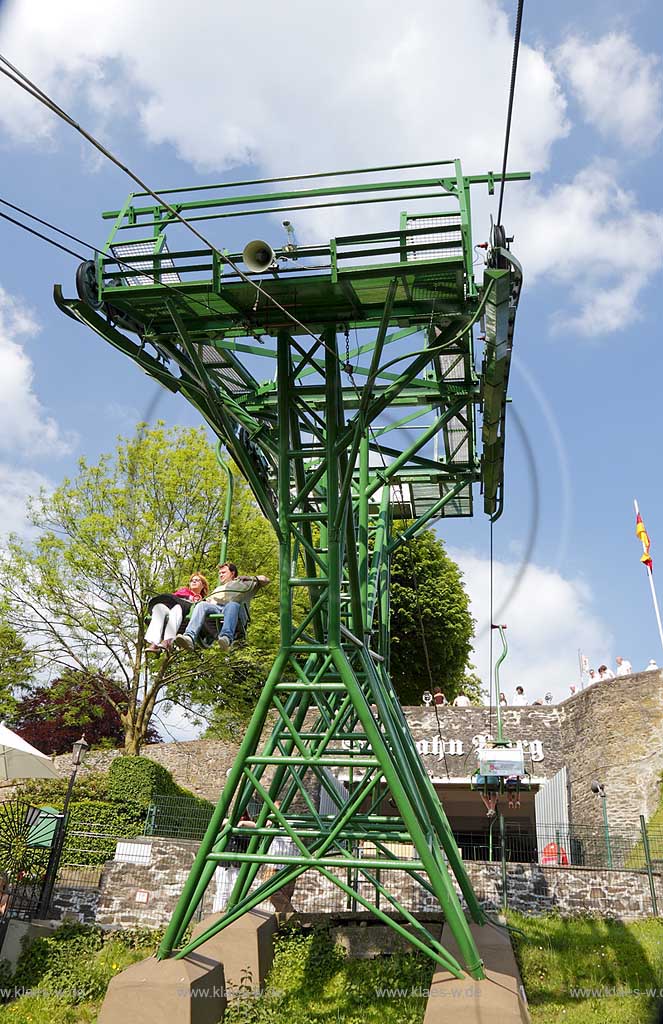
(512, 91)
(33, 90)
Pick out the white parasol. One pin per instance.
(20, 760)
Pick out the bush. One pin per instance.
(178, 812)
(66, 974)
(115, 804)
(137, 779)
(52, 791)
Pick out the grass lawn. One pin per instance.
(67, 986)
(588, 970)
(312, 981)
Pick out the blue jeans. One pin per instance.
(232, 614)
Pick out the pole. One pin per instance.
(225, 528)
(650, 873)
(651, 584)
(503, 856)
(56, 851)
(498, 709)
(656, 609)
(606, 828)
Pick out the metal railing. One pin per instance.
(569, 868)
(177, 817)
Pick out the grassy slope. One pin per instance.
(92, 975)
(559, 955)
(313, 982)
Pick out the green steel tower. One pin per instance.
(370, 339)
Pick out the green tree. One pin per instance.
(431, 625)
(132, 525)
(53, 717)
(17, 665)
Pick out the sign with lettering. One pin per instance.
(439, 747)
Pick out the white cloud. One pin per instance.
(549, 617)
(590, 236)
(619, 88)
(278, 85)
(279, 88)
(175, 725)
(16, 486)
(25, 427)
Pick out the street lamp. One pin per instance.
(599, 790)
(78, 752)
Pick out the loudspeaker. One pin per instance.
(258, 256)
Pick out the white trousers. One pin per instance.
(225, 878)
(164, 623)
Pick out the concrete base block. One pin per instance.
(16, 937)
(499, 997)
(245, 948)
(187, 991)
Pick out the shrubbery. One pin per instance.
(135, 779)
(93, 786)
(116, 803)
(313, 980)
(72, 967)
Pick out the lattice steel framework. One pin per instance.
(386, 347)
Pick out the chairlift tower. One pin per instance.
(370, 338)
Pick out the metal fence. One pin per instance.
(177, 817)
(553, 844)
(575, 869)
(572, 869)
(563, 845)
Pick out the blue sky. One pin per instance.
(195, 94)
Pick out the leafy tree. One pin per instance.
(135, 524)
(431, 625)
(53, 717)
(16, 666)
(472, 686)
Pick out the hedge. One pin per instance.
(137, 779)
(142, 780)
(107, 806)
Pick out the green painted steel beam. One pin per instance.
(321, 447)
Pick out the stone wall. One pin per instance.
(198, 765)
(144, 894)
(201, 765)
(533, 889)
(77, 904)
(611, 732)
(446, 735)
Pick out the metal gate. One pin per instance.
(27, 835)
(551, 808)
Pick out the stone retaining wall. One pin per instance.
(76, 904)
(145, 894)
(609, 731)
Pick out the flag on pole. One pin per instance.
(641, 533)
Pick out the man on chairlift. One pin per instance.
(231, 600)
